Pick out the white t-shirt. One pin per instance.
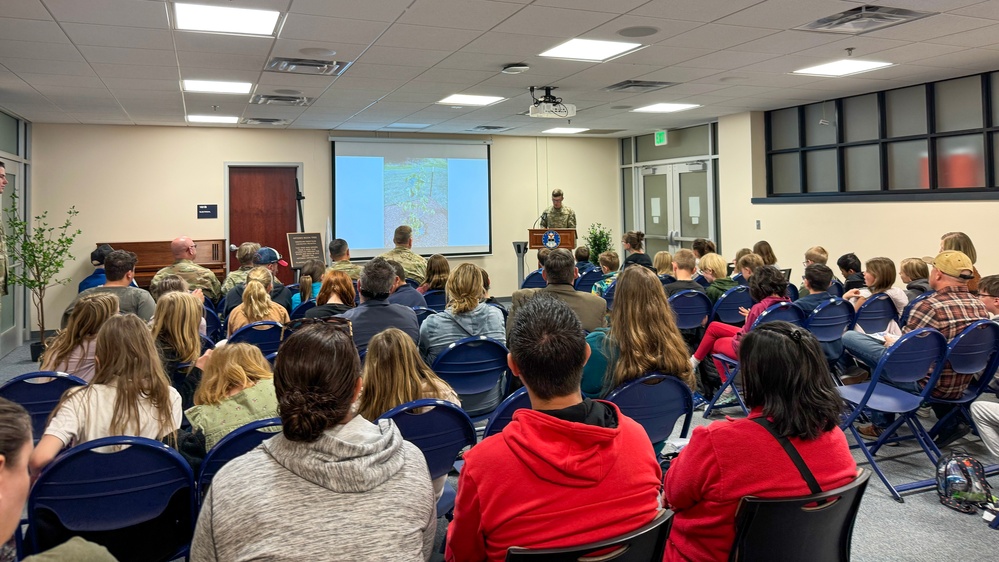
(86, 415)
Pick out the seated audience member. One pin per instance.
(71, 350)
(817, 279)
(175, 283)
(565, 472)
(464, 317)
(244, 254)
(559, 273)
(763, 249)
(767, 286)
(542, 256)
(236, 388)
(582, 255)
(986, 417)
(402, 293)
(961, 242)
(813, 255)
(786, 383)
(610, 266)
(269, 259)
(702, 247)
(663, 263)
(642, 337)
(914, 273)
(394, 373)
(340, 256)
(414, 264)
(988, 293)
(336, 295)
(330, 480)
(438, 270)
(309, 282)
(879, 277)
(119, 266)
(178, 342)
(748, 264)
(634, 246)
(713, 268)
(129, 394)
(257, 305)
(375, 313)
(185, 251)
(684, 264)
(740, 253)
(98, 277)
(487, 298)
(849, 266)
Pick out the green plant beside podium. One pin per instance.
(598, 241)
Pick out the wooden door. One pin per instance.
(262, 208)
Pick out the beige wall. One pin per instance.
(143, 183)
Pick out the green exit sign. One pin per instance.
(660, 138)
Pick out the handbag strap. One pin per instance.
(792, 452)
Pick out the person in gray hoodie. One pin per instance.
(332, 485)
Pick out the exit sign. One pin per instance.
(660, 138)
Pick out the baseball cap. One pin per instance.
(953, 263)
(268, 255)
(98, 256)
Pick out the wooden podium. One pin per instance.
(536, 236)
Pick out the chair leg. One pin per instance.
(730, 372)
(874, 465)
(886, 434)
(925, 441)
(936, 427)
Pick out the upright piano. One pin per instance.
(154, 256)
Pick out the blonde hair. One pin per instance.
(715, 264)
(740, 253)
(230, 367)
(883, 271)
(750, 261)
(170, 284)
(89, 314)
(247, 252)
(176, 325)
(312, 272)
(256, 295)
(394, 373)
(337, 283)
(685, 260)
(438, 270)
(817, 254)
(610, 260)
(663, 262)
(914, 268)
(643, 334)
(464, 288)
(961, 242)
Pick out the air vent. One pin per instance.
(638, 86)
(488, 129)
(603, 131)
(307, 66)
(263, 121)
(273, 99)
(864, 19)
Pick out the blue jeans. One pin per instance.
(870, 350)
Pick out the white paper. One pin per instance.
(655, 207)
(655, 220)
(694, 206)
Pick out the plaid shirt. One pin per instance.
(950, 310)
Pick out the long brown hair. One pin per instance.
(438, 270)
(883, 271)
(336, 283)
(394, 373)
(763, 249)
(230, 367)
(176, 325)
(312, 272)
(89, 314)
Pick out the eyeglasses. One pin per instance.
(984, 295)
(338, 322)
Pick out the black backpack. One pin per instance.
(961, 482)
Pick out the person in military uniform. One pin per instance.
(558, 215)
(3, 236)
(414, 264)
(245, 254)
(184, 251)
(340, 255)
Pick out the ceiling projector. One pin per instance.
(548, 106)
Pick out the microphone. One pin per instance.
(544, 215)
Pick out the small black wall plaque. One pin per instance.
(208, 211)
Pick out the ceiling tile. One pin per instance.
(118, 55)
(31, 30)
(989, 10)
(915, 52)
(664, 56)
(221, 60)
(975, 38)
(115, 84)
(426, 37)
(602, 75)
(714, 36)
(862, 46)
(220, 43)
(553, 22)
(459, 14)
(135, 71)
(293, 49)
(285, 80)
(382, 10)
(615, 7)
(361, 70)
(787, 42)
(693, 10)
(979, 59)
(931, 27)
(118, 36)
(64, 80)
(26, 9)
(667, 29)
(317, 28)
(406, 57)
(39, 51)
(128, 13)
(726, 60)
(456, 76)
(346, 82)
(679, 74)
(513, 44)
(784, 14)
(48, 67)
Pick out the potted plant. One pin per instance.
(37, 253)
(598, 241)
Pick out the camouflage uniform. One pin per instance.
(559, 218)
(414, 264)
(234, 278)
(197, 277)
(352, 269)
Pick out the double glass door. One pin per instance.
(12, 302)
(677, 206)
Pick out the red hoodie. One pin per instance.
(546, 483)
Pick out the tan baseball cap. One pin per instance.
(953, 263)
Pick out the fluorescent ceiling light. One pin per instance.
(212, 119)
(195, 17)
(844, 67)
(465, 99)
(590, 50)
(216, 87)
(665, 107)
(565, 130)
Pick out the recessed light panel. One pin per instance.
(216, 87)
(666, 107)
(212, 119)
(466, 99)
(590, 50)
(565, 130)
(844, 67)
(195, 17)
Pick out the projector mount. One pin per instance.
(549, 105)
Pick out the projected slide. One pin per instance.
(441, 191)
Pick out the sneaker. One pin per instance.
(699, 401)
(855, 375)
(924, 411)
(872, 432)
(726, 399)
(942, 440)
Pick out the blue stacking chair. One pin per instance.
(791, 292)
(726, 309)
(206, 344)
(699, 279)
(213, 326)
(876, 314)
(441, 433)
(667, 279)
(271, 358)
(301, 309)
(656, 401)
(474, 365)
(411, 282)
(138, 501)
(357, 294)
(504, 412)
(293, 288)
(974, 351)
(436, 300)
(836, 288)
(609, 294)
(740, 279)
(907, 361)
(534, 280)
(904, 319)
(239, 442)
(422, 313)
(830, 320)
(266, 335)
(691, 309)
(586, 281)
(39, 393)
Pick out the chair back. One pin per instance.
(206, 344)
(792, 292)
(145, 491)
(39, 393)
(357, 294)
(411, 282)
(440, 432)
(691, 309)
(656, 401)
(436, 300)
(609, 294)
(975, 350)
(912, 356)
(645, 544)
(422, 313)
(266, 335)
(239, 442)
(666, 279)
(817, 527)
(213, 325)
(701, 280)
(293, 288)
(271, 358)
(301, 309)
(904, 319)
(877, 312)
(586, 281)
(534, 280)
(727, 306)
(783, 311)
(472, 365)
(504, 412)
(836, 288)
(787, 274)
(830, 320)
(740, 279)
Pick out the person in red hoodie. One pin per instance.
(568, 471)
(788, 383)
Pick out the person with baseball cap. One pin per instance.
(98, 277)
(271, 259)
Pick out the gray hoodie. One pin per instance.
(357, 493)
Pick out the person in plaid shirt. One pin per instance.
(951, 309)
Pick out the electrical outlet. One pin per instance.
(757, 225)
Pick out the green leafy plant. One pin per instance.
(38, 252)
(598, 240)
